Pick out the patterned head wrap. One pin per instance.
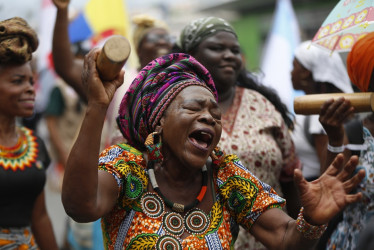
(360, 62)
(324, 66)
(17, 41)
(154, 88)
(200, 29)
(143, 24)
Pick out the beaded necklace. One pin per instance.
(16, 150)
(195, 221)
(22, 155)
(180, 208)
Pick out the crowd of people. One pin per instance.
(188, 151)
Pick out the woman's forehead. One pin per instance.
(9, 68)
(195, 93)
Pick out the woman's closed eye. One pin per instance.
(216, 113)
(193, 107)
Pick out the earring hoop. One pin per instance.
(153, 144)
(151, 138)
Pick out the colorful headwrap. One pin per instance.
(17, 41)
(360, 62)
(200, 29)
(324, 66)
(154, 88)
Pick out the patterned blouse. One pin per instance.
(139, 219)
(255, 131)
(357, 215)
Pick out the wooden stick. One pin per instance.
(311, 104)
(112, 57)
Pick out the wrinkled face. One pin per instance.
(221, 55)
(17, 94)
(157, 42)
(191, 127)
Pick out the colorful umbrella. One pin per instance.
(349, 21)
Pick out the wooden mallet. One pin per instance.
(112, 57)
(311, 104)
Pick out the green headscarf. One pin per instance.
(200, 29)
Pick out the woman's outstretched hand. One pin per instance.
(323, 198)
(98, 91)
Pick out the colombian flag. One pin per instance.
(99, 20)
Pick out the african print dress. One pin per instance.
(255, 131)
(22, 179)
(139, 219)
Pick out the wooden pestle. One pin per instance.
(112, 57)
(311, 104)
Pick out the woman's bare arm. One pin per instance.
(87, 193)
(66, 66)
(41, 225)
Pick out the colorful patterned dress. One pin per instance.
(139, 219)
(22, 179)
(255, 131)
(357, 215)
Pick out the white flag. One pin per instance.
(276, 62)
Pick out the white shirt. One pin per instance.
(304, 150)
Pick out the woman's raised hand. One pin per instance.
(61, 4)
(323, 198)
(98, 92)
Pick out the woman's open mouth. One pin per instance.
(201, 138)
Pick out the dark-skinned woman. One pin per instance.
(255, 122)
(170, 186)
(24, 222)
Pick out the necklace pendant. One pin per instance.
(168, 242)
(178, 207)
(172, 223)
(196, 221)
(152, 205)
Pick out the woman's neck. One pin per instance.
(177, 174)
(8, 132)
(179, 185)
(225, 99)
